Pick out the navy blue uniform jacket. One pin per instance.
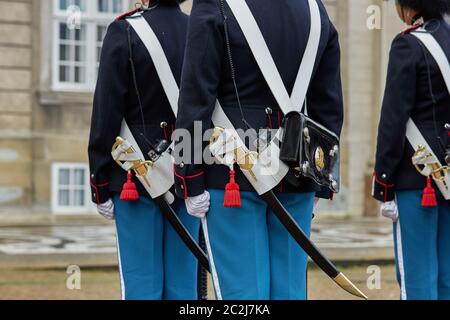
(285, 25)
(407, 95)
(116, 98)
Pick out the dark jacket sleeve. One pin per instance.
(108, 110)
(325, 102)
(399, 101)
(198, 93)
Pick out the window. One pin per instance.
(79, 29)
(70, 188)
(110, 6)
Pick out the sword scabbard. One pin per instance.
(308, 246)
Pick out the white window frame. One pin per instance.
(91, 18)
(88, 206)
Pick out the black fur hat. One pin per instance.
(428, 8)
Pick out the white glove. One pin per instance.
(389, 210)
(198, 206)
(106, 209)
(169, 197)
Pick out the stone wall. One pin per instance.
(364, 62)
(361, 55)
(16, 102)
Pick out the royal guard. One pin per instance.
(154, 262)
(255, 257)
(413, 154)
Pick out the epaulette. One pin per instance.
(126, 14)
(410, 29)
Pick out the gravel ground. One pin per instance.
(104, 284)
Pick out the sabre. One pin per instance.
(309, 247)
(428, 165)
(141, 168)
(285, 217)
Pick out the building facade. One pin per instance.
(49, 52)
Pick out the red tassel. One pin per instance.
(429, 195)
(232, 198)
(129, 191)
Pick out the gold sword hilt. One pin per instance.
(139, 167)
(216, 134)
(244, 158)
(438, 172)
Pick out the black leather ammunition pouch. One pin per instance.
(310, 150)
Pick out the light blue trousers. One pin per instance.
(154, 262)
(255, 257)
(422, 247)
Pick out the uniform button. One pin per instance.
(163, 125)
(182, 187)
(384, 176)
(382, 193)
(94, 194)
(269, 111)
(181, 165)
(92, 176)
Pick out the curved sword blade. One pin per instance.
(343, 282)
(308, 246)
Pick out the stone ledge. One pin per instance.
(60, 98)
